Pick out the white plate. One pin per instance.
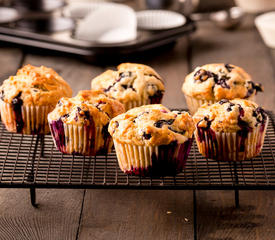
(80, 9)
(108, 24)
(159, 19)
(265, 24)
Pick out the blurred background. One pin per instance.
(98, 28)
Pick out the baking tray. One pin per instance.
(63, 41)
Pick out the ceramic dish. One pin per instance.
(265, 24)
(159, 19)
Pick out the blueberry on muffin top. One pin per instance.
(219, 81)
(230, 116)
(152, 125)
(131, 82)
(35, 86)
(85, 105)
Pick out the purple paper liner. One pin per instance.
(98, 141)
(237, 146)
(156, 99)
(25, 119)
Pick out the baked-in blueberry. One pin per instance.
(17, 103)
(41, 87)
(202, 75)
(160, 123)
(86, 114)
(241, 111)
(222, 81)
(2, 95)
(228, 67)
(223, 101)
(252, 87)
(259, 114)
(229, 108)
(66, 115)
(146, 136)
(175, 131)
(125, 74)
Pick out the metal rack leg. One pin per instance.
(237, 200)
(195, 215)
(33, 197)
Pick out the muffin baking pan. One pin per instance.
(57, 33)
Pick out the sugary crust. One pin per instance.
(131, 82)
(38, 86)
(218, 81)
(230, 116)
(86, 104)
(152, 125)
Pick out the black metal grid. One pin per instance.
(32, 161)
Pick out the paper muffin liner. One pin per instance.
(193, 104)
(25, 119)
(235, 146)
(160, 160)
(151, 100)
(80, 140)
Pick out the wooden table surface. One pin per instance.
(133, 214)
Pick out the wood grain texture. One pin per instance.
(56, 217)
(129, 214)
(9, 61)
(172, 65)
(217, 217)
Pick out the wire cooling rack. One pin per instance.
(33, 161)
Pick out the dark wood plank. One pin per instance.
(117, 214)
(56, 217)
(9, 61)
(217, 217)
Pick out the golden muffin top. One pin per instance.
(230, 115)
(131, 82)
(85, 107)
(219, 81)
(152, 125)
(35, 86)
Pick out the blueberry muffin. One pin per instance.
(79, 125)
(213, 82)
(28, 97)
(152, 140)
(230, 130)
(132, 84)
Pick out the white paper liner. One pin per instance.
(193, 104)
(34, 118)
(80, 140)
(228, 145)
(133, 104)
(135, 157)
